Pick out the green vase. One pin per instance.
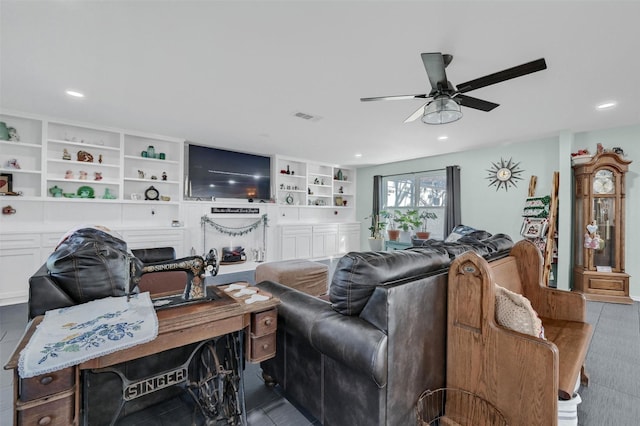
(4, 131)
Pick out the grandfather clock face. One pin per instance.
(603, 182)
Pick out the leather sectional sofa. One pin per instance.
(365, 356)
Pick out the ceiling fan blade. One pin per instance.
(394, 98)
(418, 113)
(475, 103)
(508, 74)
(434, 64)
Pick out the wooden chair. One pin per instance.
(520, 374)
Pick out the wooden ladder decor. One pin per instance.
(551, 232)
(551, 229)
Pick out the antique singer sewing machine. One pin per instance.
(195, 268)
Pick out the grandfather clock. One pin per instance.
(599, 233)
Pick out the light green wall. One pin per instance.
(498, 211)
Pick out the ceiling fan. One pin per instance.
(444, 106)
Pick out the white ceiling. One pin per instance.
(232, 74)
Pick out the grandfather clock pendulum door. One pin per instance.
(599, 234)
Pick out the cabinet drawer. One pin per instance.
(263, 347)
(612, 284)
(46, 384)
(264, 322)
(58, 410)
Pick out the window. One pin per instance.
(422, 191)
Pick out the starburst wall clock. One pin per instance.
(504, 174)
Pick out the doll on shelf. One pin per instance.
(68, 174)
(83, 175)
(98, 175)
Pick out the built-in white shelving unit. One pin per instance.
(307, 184)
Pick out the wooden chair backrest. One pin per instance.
(506, 274)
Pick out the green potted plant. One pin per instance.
(392, 219)
(408, 221)
(423, 234)
(376, 228)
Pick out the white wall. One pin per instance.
(498, 211)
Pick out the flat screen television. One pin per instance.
(218, 173)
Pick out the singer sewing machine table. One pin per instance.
(55, 398)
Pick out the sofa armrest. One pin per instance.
(44, 294)
(297, 311)
(349, 340)
(354, 342)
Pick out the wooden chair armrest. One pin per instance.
(559, 304)
(548, 302)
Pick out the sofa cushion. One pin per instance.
(358, 273)
(514, 311)
(459, 232)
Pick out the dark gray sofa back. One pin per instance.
(358, 274)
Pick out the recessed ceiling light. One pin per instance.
(606, 105)
(358, 155)
(75, 94)
(443, 138)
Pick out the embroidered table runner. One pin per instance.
(72, 335)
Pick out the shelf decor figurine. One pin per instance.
(85, 157)
(108, 195)
(13, 134)
(56, 191)
(13, 164)
(97, 176)
(66, 155)
(68, 174)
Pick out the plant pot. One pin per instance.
(423, 235)
(405, 236)
(394, 234)
(375, 244)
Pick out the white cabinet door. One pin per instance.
(349, 235)
(325, 240)
(296, 242)
(19, 259)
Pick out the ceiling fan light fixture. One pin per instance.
(441, 110)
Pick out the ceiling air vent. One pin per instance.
(306, 116)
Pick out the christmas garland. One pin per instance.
(228, 230)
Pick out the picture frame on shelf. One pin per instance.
(339, 201)
(6, 183)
